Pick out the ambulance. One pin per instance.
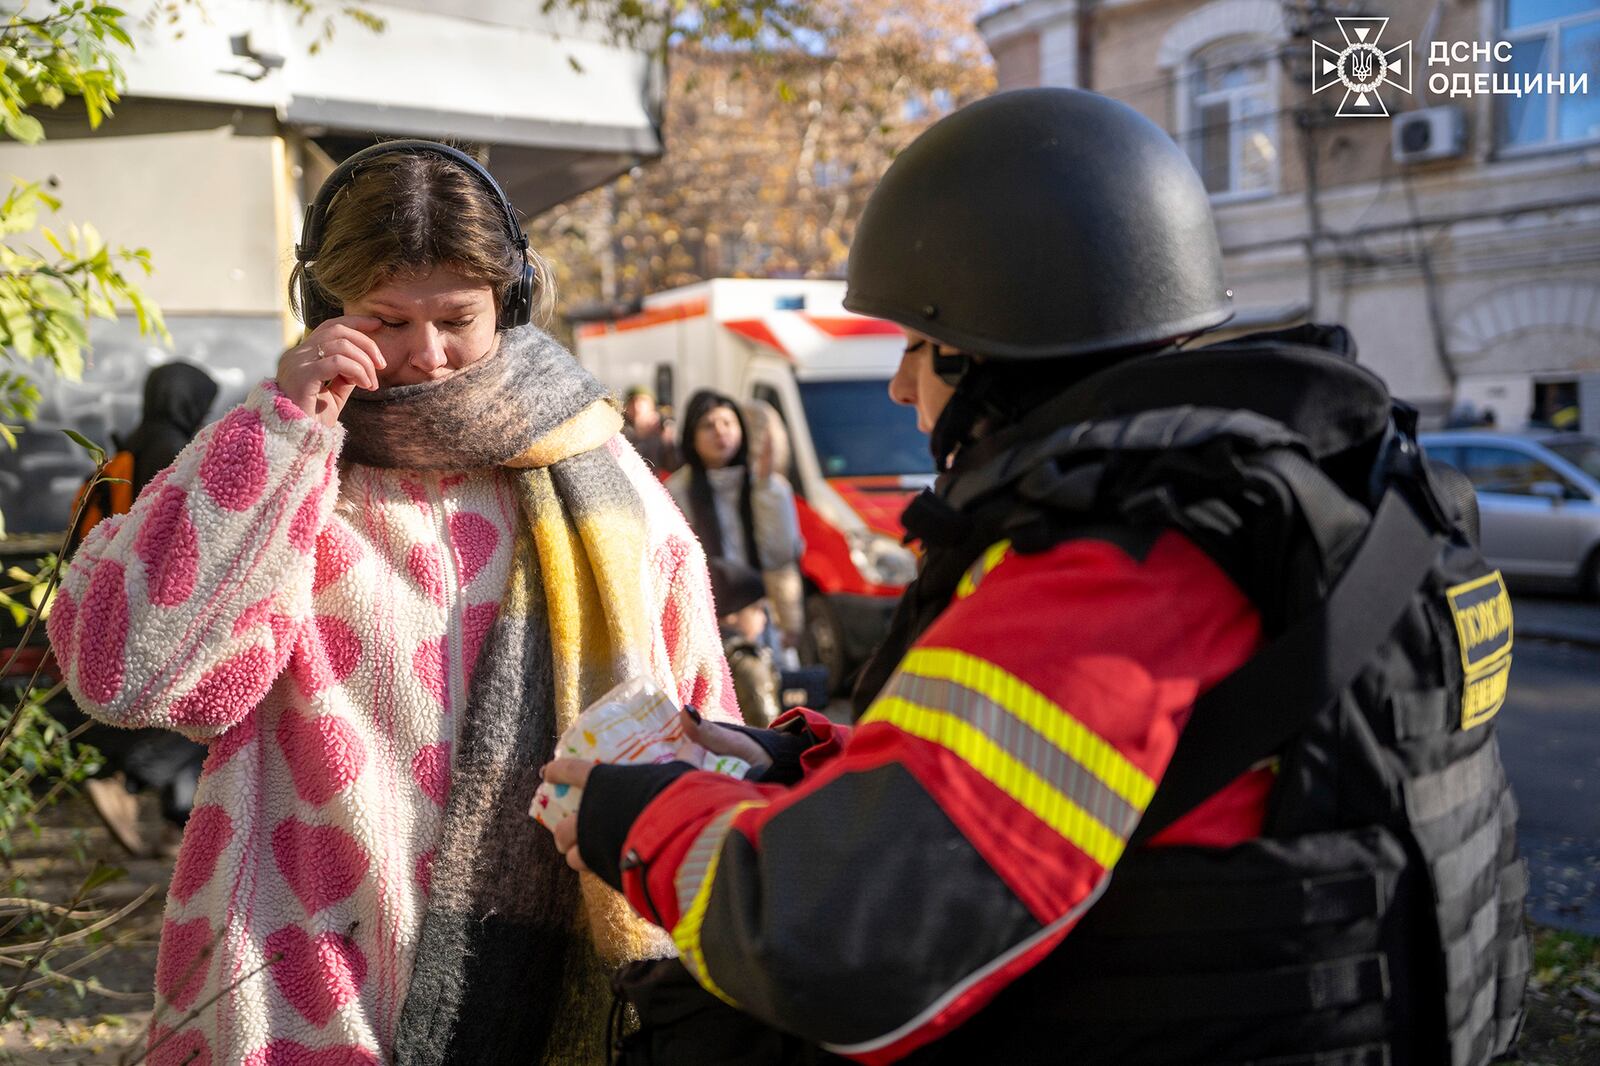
(857, 456)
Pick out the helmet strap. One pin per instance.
(971, 404)
(951, 367)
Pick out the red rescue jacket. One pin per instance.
(947, 843)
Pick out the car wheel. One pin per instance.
(824, 642)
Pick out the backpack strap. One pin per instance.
(1257, 709)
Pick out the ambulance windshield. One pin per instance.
(859, 432)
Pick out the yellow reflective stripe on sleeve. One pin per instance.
(979, 570)
(1022, 743)
(1082, 744)
(693, 883)
(1086, 832)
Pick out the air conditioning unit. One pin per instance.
(1428, 134)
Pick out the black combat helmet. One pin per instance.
(1037, 224)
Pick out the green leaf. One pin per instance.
(97, 453)
(24, 128)
(102, 874)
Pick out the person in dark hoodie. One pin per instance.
(741, 599)
(177, 397)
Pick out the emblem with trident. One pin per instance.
(1361, 64)
(1361, 67)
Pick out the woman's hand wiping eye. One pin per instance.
(337, 357)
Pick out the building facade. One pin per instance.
(1458, 236)
(229, 122)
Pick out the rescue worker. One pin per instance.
(1200, 616)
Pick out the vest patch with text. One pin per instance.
(1482, 612)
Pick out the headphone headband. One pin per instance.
(518, 307)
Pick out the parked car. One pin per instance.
(22, 661)
(1539, 497)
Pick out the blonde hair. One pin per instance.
(402, 216)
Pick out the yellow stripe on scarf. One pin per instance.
(589, 567)
(589, 428)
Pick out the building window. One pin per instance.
(1555, 39)
(1231, 117)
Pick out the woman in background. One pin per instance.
(735, 496)
(769, 464)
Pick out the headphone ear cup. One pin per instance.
(314, 310)
(518, 307)
(308, 303)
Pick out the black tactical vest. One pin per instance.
(1378, 919)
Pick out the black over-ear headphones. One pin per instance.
(517, 307)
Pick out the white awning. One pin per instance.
(542, 83)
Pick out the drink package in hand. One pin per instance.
(633, 723)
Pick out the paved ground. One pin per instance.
(1550, 737)
(64, 1027)
(1561, 618)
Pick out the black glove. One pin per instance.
(612, 801)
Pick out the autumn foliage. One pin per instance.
(769, 158)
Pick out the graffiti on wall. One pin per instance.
(40, 478)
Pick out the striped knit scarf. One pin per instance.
(509, 967)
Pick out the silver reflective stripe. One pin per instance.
(693, 887)
(960, 988)
(1019, 740)
(697, 860)
(1437, 794)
